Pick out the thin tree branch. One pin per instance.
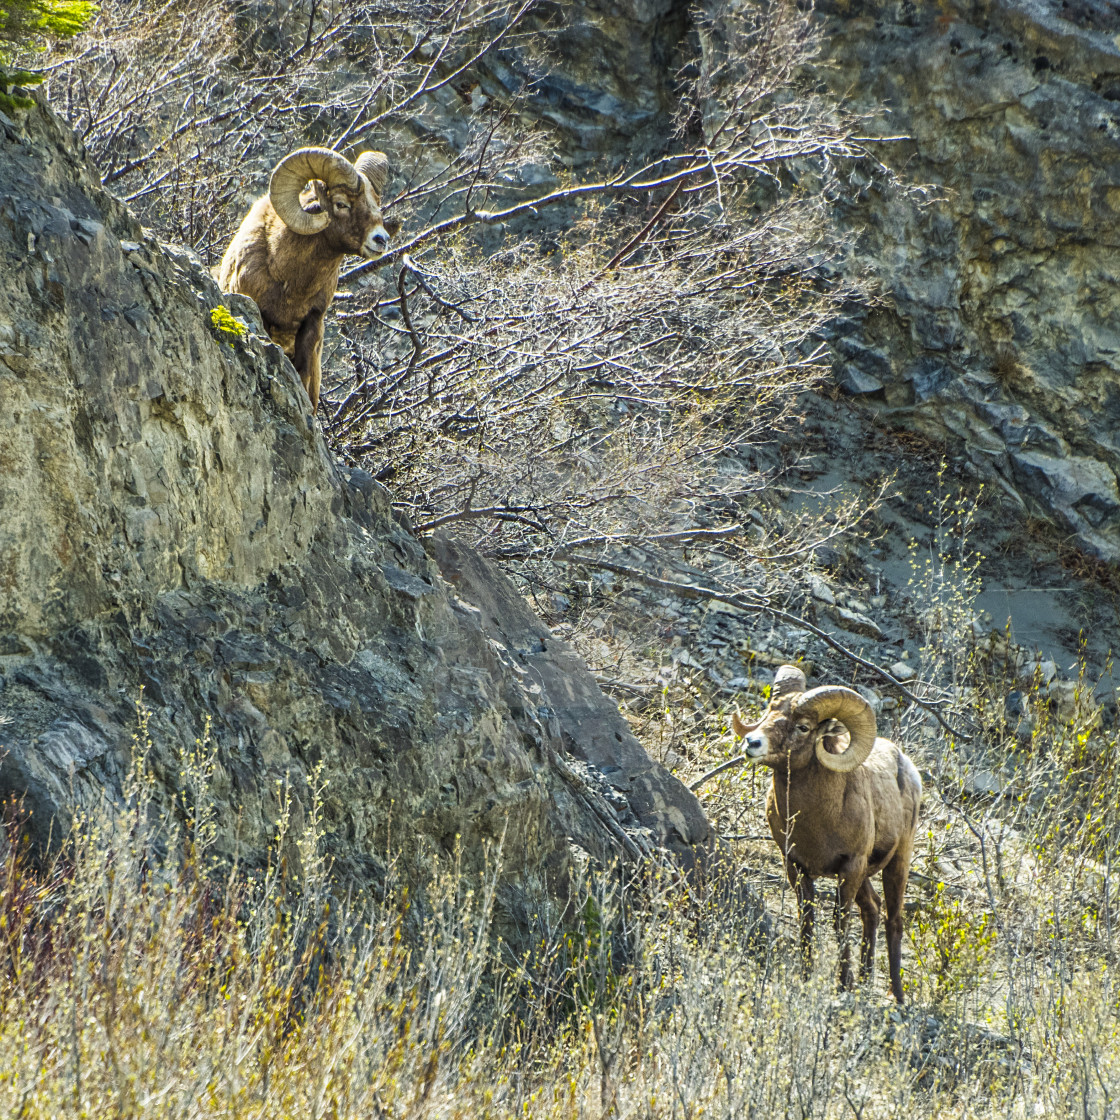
(638, 238)
(760, 605)
(560, 552)
(738, 760)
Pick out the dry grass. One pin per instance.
(137, 978)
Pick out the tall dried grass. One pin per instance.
(139, 977)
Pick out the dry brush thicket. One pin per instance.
(571, 362)
(588, 384)
(184, 107)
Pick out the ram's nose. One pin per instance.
(756, 745)
(376, 243)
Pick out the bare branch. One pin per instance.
(754, 604)
(723, 767)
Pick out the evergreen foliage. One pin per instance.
(21, 23)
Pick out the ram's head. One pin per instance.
(317, 192)
(801, 723)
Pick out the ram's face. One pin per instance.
(781, 737)
(357, 225)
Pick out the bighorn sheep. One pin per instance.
(288, 250)
(847, 814)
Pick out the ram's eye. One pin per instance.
(342, 205)
(804, 728)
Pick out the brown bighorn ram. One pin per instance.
(288, 251)
(848, 814)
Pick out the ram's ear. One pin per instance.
(314, 198)
(392, 226)
(834, 735)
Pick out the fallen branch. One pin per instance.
(738, 760)
(597, 805)
(563, 551)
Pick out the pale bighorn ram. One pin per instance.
(288, 250)
(850, 814)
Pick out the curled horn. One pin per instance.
(853, 711)
(294, 172)
(789, 678)
(375, 167)
(739, 727)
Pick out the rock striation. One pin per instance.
(610, 90)
(173, 530)
(1000, 330)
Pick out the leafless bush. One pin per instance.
(184, 107)
(547, 395)
(591, 384)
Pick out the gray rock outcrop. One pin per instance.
(610, 89)
(172, 525)
(1001, 327)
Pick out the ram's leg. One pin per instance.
(307, 355)
(803, 888)
(316, 376)
(895, 875)
(869, 906)
(845, 896)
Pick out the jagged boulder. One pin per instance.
(172, 528)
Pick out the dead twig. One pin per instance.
(756, 604)
(738, 760)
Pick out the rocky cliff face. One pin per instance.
(1001, 330)
(172, 526)
(610, 88)
(997, 334)
(1000, 327)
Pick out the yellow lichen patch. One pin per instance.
(225, 323)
